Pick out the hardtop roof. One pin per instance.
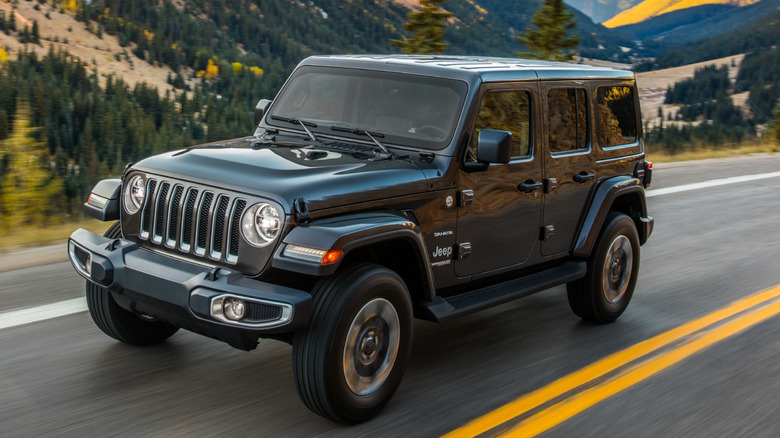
(488, 69)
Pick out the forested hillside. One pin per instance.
(223, 56)
(91, 130)
(66, 117)
(758, 35)
(707, 115)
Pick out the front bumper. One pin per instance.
(186, 294)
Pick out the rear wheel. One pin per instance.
(119, 323)
(349, 361)
(604, 293)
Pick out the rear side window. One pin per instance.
(568, 119)
(617, 116)
(507, 111)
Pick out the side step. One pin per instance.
(442, 309)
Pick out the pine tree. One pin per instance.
(28, 191)
(35, 37)
(428, 26)
(549, 40)
(12, 21)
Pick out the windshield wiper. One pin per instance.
(371, 135)
(303, 123)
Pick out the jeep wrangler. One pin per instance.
(375, 190)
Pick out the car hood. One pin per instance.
(324, 178)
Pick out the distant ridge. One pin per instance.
(653, 8)
(699, 23)
(602, 10)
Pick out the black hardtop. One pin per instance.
(470, 68)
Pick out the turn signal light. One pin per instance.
(312, 254)
(331, 256)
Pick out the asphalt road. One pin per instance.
(711, 247)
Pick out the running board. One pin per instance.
(442, 309)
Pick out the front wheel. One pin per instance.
(603, 294)
(119, 323)
(349, 361)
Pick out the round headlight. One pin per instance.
(260, 224)
(134, 194)
(267, 222)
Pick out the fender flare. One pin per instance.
(349, 233)
(604, 198)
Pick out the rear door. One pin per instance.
(570, 168)
(500, 207)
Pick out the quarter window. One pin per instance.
(506, 111)
(567, 118)
(617, 116)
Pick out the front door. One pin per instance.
(500, 206)
(570, 170)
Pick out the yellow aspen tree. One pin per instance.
(29, 190)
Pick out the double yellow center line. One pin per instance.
(553, 404)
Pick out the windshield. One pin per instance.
(400, 108)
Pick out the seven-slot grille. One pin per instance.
(193, 220)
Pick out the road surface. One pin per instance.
(712, 246)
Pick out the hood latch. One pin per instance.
(301, 211)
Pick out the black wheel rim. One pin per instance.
(371, 346)
(618, 267)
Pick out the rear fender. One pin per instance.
(623, 194)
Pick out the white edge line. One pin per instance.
(14, 318)
(711, 183)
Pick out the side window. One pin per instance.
(617, 116)
(568, 119)
(507, 111)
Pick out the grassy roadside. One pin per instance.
(703, 154)
(47, 235)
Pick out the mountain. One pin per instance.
(700, 23)
(756, 36)
(602, 10)
(652, 8)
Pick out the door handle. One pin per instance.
(530, 186)
(583, 177)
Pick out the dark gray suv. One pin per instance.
(375, 190)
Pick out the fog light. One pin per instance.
(234, 309)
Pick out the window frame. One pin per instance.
(637, 122)
(530, 90)
(587, 125)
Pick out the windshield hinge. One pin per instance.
(427, 157)
(301, 211)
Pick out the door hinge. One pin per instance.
(548, 231)
(550, 185)
(464, 250)
(466, 198)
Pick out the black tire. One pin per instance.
(343, 362)
(119, 323)
(604, 293)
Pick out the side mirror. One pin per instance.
(260, 109)
(103, 202)
(494, 146)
